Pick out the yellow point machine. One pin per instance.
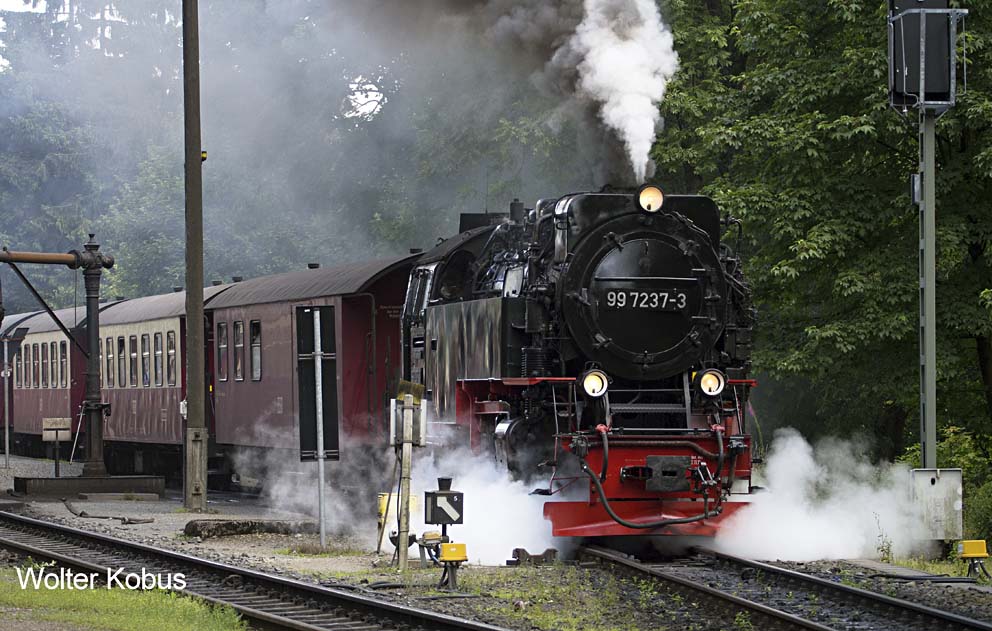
(975, 551)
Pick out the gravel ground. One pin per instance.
(562, 596)
(967, 600)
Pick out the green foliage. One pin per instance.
(779, 112)
(742, 621)
(978, 512)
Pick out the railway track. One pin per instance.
(265, 600)
(777, 598)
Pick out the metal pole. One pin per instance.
(93, 466)
(195, 496)
(318, 376)
(6, 406)
(928, 286)
(406, 462)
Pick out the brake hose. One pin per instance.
(603, 429)
(657, 524)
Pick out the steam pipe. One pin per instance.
(69, 260)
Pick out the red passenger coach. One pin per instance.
(47, 379)
(255, 352)
(142, 366)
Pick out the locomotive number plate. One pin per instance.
(661, 300)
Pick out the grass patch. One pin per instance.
(950, 567)
(314, 549)
(115, 609)
(559, 597)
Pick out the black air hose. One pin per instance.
(664, 522)
(603, 429)
(656, 524)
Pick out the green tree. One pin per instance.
(781, 110)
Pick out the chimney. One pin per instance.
(313, 265)
(416, 250)
(216, 282)
(517, 211)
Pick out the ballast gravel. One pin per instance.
(560, 596)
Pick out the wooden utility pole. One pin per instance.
(195, 486)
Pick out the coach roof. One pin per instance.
(41, 322)
(154, 307)
(312, 283)
(11, 321)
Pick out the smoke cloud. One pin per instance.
(350, 491)
(627, 61)
(500, 514)
(830, 502)
(607, 62)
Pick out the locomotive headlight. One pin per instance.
(650, 198)
(595, 383)
(711, 382)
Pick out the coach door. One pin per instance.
(311, 356)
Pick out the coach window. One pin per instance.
(133, 365)
(18, 369)
(170, 349)
(53, 363)
(239, 351)
(63, 364)
(255, 338)
(121, 362)
(158, 359)
(36, 366)
(222, 351)
(109, 372)
(28, 370)
(146, 360)
(44, 365)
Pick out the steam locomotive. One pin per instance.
(599, 344)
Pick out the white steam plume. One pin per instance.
(627, 60)
(827, 503)
(500, 514)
